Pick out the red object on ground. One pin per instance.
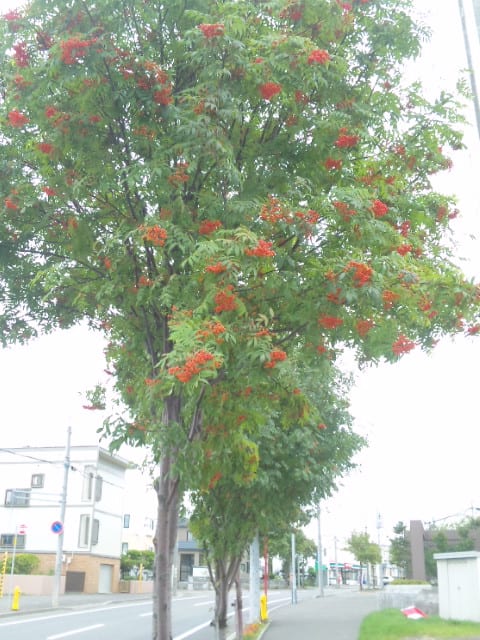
(413, 613)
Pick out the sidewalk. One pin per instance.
(336, 616)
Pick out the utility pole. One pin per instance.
(319, 554)
(254, 593)
(63, 505)
(293, 572)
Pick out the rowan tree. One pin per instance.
(297, 466)
(225, 189)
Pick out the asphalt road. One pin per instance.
(122, 621)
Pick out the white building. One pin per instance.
(31, 483)
(140, 512)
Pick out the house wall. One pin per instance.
(140, 505)
(94, 504)
(32, 585)
(87, 563)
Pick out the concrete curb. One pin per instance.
(265, 627)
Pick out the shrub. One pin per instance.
(25, 564)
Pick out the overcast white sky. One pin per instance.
(420, 416)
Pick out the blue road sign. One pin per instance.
(57, 527)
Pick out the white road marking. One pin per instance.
(190, 632)
(72, 613)
(75, 631)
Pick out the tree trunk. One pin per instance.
(238, 607)
(227, 572)
(168, 498)
(221, 598)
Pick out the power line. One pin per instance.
(84, 473)
(454, 515)
(24, 455)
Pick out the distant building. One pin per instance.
(140, 512)
(31, 481)
(190, 554)
(422, 540)
(416, 536)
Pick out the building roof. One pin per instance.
(46, 454)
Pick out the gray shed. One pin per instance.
(459, 585)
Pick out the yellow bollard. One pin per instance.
(16, 599)
(263, 608)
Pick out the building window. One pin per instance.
(95, 531)
(84, 532)
(7, 541)
(126, 520)
(92, 485)
(149, 524)
(88, 479)
(98, 488)
(37, 481)
(124, 548)
(17, 497)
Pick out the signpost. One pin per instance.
(57, 526)
(20, 530)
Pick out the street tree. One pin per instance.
(468, 533)
(225, 190)
(400, 549)
(297, 465)
(458, 536)
(364, 550)
(136, 560)
(281, 545)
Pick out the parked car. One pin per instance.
(387, 580)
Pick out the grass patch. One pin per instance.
(391, 624)
(253, 631)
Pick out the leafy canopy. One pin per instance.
(234, 193)
(363, 549)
